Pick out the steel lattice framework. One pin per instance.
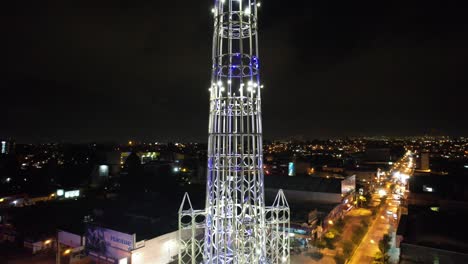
(235, 226)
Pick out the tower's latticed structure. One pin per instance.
(235, 226)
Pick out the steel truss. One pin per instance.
(235, 226)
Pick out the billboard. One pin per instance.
(291, 169)
(348, 184)
(108, 242)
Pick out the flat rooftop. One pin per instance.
(444, 229)
(304, 183)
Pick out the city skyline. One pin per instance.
(115, 72)
(233, 132)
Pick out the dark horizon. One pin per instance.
(106, 71)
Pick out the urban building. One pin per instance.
(430, 229)
(311, 189)
(99, 244)
(424, 164)
(432, 234)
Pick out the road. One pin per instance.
(384, 223)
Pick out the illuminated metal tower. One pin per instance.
(235, 226)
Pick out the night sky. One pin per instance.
(117, 70)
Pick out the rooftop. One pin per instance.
(442, 229)
(304, 183)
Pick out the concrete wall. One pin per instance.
(363, 175)
(69, 239)
(159, 250)
(425, 165)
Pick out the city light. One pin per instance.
(382, 193)
(72, 194)
(74, 191)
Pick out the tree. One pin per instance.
(384, 246)
(380, 258)
(339, 259)
(294, 243)
(339, 225)
(320, 243)
(368, 199)
(133, 179)
(383, 200)
(348, 247)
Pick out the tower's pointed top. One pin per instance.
(186, 204)
(280, 199)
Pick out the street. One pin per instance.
(384, 223)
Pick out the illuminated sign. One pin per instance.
(427, 188)
(72, 194)
(291, 169)
(60, 192)
(103, 170)
(148, 156)
(348, 184)
(3, 147)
